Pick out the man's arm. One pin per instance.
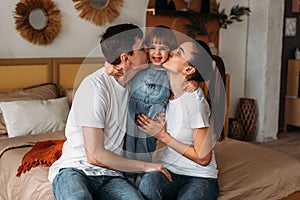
(99, 156)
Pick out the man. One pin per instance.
(90, 165)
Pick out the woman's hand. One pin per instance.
(200, 152)
(155, 128)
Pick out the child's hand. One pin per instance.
(190, 86)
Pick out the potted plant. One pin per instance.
(198, 24)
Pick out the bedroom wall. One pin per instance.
(251, 50)
(264, 64)
(252, 53)
(77, 37)
(232, 46)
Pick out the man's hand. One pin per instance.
(190, 86)
(160, 168)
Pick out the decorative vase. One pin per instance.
(247, 116)
(214, 50)
(235, 129)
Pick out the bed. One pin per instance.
(246, 171)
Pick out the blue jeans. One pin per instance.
(74, 184)
(155, 186)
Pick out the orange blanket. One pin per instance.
(42, 153)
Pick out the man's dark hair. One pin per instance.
(119, 39)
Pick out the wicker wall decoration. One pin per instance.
(105, 12)
(46, 34)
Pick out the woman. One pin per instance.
(188, 130)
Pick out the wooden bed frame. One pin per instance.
(67, 73)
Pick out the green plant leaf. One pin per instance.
(198, 24)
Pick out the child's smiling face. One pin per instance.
(158, 52)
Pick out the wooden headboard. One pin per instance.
(66, 72)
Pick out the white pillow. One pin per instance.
(35, 116)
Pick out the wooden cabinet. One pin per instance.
(292, 98)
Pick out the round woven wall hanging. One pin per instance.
(44, 33)
(99, 12)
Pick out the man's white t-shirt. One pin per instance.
(99, 102)
(183, 114)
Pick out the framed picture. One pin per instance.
(290, 26)
(296, 6)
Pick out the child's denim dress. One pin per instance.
(150, 93)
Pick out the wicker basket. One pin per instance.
(247, 116)
(236, 130)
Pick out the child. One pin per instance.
(149, 93)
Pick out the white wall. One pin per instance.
(77, 37)
(233, 42)
(252, 53)
(264, 64)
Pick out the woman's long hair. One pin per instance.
(214, 75)
(218, 94)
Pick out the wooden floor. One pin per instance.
(288, 142)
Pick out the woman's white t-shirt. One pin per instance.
(183, 114)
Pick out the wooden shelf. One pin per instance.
(176, 20)
(292, 98)
(179, 13)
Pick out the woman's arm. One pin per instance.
(200, 153)
(99, 156)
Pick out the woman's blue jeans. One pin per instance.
(155, 186)
(74, 184)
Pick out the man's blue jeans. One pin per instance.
(155, 186)
(74, 184)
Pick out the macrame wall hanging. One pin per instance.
(99, 12)
(37, 21)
